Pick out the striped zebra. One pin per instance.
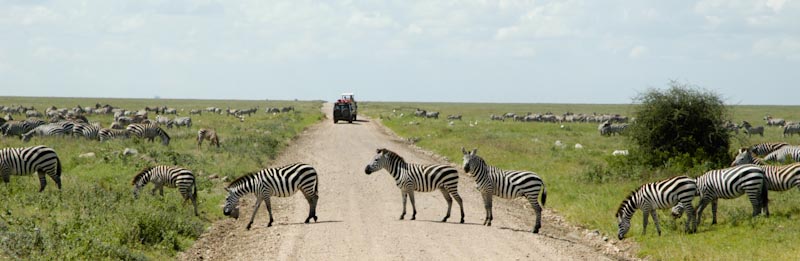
(207, 134)
(105, 134)
(763, 149)
(149, 131)
(14, 128)
(779, 178)
(279, 182)
(195, 111)
(791, 129)
(750, 130)
(731, 183)
(165, 121)
(183, 121)
(416, 177)
(22, 161)
(492, 181)
(172, 177)
(86, 130)
(780, 155)
(608, 129)
(657, 195)
(44, 130)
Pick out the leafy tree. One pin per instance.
(681, 125)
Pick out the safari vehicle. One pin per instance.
(343, 111)
(348, 97)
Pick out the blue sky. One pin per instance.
(577, 51)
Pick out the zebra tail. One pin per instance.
(194, 191)
(764, 196)
(544, 194)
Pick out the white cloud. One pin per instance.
(637, 51)
(775, 5)
(781, 48)
(545, 21)
(372, 20)
(128, 24)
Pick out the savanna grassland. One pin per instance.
(582, 189)
(95, 215)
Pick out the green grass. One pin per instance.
(585, 196)
(95, 215)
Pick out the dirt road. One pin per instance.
(358, 214)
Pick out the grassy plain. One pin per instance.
(588, 198)
(95, 215)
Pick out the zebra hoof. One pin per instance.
(444, 220)
(248, 226)
(315, 219)
(462, 220)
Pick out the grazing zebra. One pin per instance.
(44, 130)
(279, 182)
(774, 122)
(207, 134)
(172, 177)
(657, 195)
(432, 114)
(198, 112)
(763, 149)
(780, 155)
(496, 117)
(170, 111)
(161, 120)
(493, 181)
(454, 117)
(608, 129)
(183, 121)
(105, 134)
(23, 161)
(416, 177)
(13, 128)
(731, 183)
(149, 131)
(779, 178)
(791, 129)
(420, 113)
(750, 130)
(86, 130)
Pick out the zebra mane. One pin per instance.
(391, 154)
(141, 174)
(241, 179)
(629, 198)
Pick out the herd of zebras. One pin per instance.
(789, 127)
(748, 175)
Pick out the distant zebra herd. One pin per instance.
(748, 175)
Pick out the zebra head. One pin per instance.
(744, 157)
(378, 162)
(164, 138)
(624, 214)
(471, 160)
(231, 207)
(677, 210)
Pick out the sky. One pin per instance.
(506, 51)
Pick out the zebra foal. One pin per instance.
(22, 161)
(658, 195)
(171, 177)
(207, 134)
(279, 182)
(509, 184)
(416, 177)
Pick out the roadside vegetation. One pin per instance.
(587, 185)
(95, 215)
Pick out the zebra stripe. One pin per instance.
(206, 134)
(750, 130)
(416, 177)
(87, 131)
(22, 161)
(780, 155)
(657, 195)
(779, 178)
(172, 177)
(279, 182)
(17, 128)
(731, 183)
(44, 130)
(791, 129)
(105, 134)
(762, 149)
(149, 131)
(493, 181)
(183, 121)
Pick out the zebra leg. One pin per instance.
(645, 215)
(42, 181)
(655, 220)
(714, 212)
(269, 210)
(460, 204)
(413, 206)
(487, 203)
(538, 209)
(312, 207)
(403, 215)
(690, 218)
(700, 207)
(449, 203)
(255, 210)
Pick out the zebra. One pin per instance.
(608, 129)
(85, 130)
(780, 155)
(149, 131)
(750, 130)
(22, 161)
(183, 121)
(44, 130)
(105, 134)
(730, 183)
(207, 134)
(14, 128)
(162, 120)
(763, 149)
(279, 182)
(416, 177)
(791, 129)
(172, 177)
(657, 195)
(496, 117)
(420, 113)
(195, 111)
(454, 117)
(432, 114)
(492, 181)
(779, 178)
(773, 121)
(171, 111)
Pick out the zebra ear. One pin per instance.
(463, 151)
(227, 190)
(474, 152)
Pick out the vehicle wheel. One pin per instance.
(350, 121)
(335, 121)
(355, 117)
